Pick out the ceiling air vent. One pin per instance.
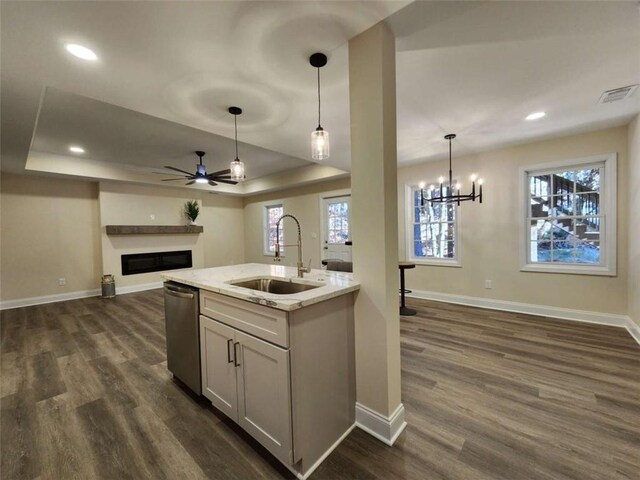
(616, 94)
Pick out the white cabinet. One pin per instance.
(287, 378)
(264, 394)
(248, 380)
(218, 366)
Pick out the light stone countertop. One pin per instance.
(218, 279)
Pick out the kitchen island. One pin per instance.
(281, 365)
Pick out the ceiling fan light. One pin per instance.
(319, 144)
(237, 170)
(202, 180)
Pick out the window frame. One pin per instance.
(265, 227)
(608, 211)
(409, 240)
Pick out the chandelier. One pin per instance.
(453, 194)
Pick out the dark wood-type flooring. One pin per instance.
(489, 395)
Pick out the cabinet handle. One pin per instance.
(229, 342)
(235, 354)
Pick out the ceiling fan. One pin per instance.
(201, 175)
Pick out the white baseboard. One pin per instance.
(634, 330)
(385, 429)
(138, 288)
(586, 316)
(61, 297)
(313, 468)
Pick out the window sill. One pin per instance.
(436, 263)
(569, 269)
(273, 255)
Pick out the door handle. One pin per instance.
(229, 342)
(173, 293)
(235, 354)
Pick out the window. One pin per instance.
(271, 215)
(337, 221)
(432, 230)
(570, 216)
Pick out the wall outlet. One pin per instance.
(62, 281)
(488, 284)
(152, 216)
(314, 235)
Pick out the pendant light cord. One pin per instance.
(319, 126)
(235, 123)
(450, 170)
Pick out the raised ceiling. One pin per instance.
(186, 62)
(474, 68)
(120, 136)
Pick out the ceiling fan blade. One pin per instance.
(191, 182)
(178, 170)
(219, 172)
(212, 183)
(230, 182)
(170, 179)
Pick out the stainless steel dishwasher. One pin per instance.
(181, 309)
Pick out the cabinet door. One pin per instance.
(264, 394)
(218, 366)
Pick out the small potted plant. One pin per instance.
(191, 211)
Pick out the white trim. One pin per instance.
(61, 297)
(336, 193)
(385, 429)
(608, 207)
(634, 330)
(600, 318)
(138, 288)
(322, 458)
(408, 235)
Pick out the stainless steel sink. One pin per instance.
(273, 285)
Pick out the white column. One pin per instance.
(372, 90)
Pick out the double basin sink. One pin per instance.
(275, 285)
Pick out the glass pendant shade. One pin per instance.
(319, 144)
(237, 170)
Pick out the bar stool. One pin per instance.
(404, 310)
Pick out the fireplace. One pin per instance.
(155, 262)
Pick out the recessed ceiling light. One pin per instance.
(535, 115)
(75, 149)
(81, 52)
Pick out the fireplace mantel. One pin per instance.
(153, 229)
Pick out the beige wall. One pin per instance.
(304, 204)
(634, 220)
(222, 242)
(50, 228)
(491, 232)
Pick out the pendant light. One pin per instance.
(236, 167)
(451, 197)
(319, 137)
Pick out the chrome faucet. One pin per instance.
(301, 268)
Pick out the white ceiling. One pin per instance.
(478, 68)
(472, 68)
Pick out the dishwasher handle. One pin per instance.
(172, 291)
